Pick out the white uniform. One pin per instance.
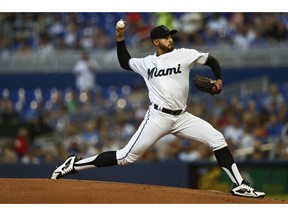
(167, 79)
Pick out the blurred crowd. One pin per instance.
(47, 129)
(45, 32)
(47, 125)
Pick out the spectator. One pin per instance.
(55, 105)
(87, 41)
(236, 106)
(7, 111)
(274, 100)
(71, 101)
(259, 126)
(39, 127)
(275, 126)
(74, 148)
(216, 28)
(87, 102)
(247, 139)
(244, 37)
(45, 48)
(90, 138)
(84, 70)
(123, 128)
(56, 28)
(139, 30)
(34, 110)
(70, 36)
(192, 25)
(273, 30)
(8, 155)
(20, 104)
(189, 151)
(219, 107)
(72, 142)
(103, 42)
(34, 156)
(173, 149)
(234, 131)
(22, 142)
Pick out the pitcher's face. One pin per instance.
(163, 45)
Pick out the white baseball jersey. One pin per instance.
(167, 79)
(167, 76)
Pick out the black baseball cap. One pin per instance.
(160, 32)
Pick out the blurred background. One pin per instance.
(63, 92)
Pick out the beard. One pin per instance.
(165, 48)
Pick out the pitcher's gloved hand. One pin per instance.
(208, 85)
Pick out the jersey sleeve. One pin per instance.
(195, 57)
(202, 58)
(137, 65)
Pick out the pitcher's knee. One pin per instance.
(124, 158)
(124, 161)
(218, 141)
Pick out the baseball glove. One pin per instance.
(206, 84)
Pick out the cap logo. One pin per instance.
(165, 28)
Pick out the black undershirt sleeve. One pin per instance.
(213, 63)
(123, 55)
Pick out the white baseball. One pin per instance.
(121, 24)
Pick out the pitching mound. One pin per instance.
(45, 191)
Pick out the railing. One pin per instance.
(60, 61)
(269, 148)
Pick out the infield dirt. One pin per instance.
(65, 191)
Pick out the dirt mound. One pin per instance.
(45, 191)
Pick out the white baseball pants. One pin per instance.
(156, 124)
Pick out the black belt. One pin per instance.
(168, 111)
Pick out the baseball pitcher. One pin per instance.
(166, 74)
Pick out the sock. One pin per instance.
(102, 160)
(226, 161)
